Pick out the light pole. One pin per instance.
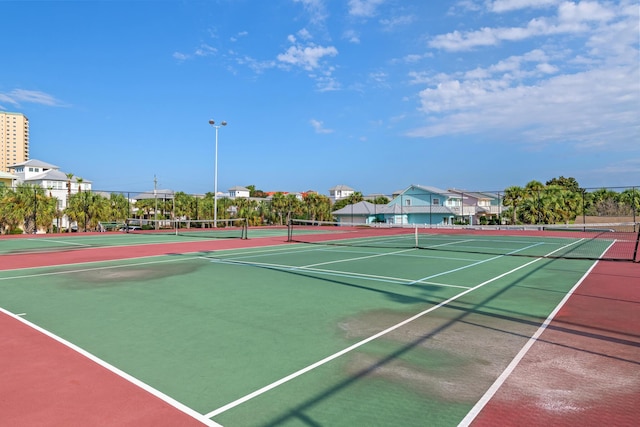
(215, 178)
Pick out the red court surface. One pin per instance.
(45, 383)
(584, 370)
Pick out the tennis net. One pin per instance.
(613, 241)
(221, 228)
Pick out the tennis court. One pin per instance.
(350, 330)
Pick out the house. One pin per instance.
(479, 207)
(361, 213)
(239, 191)
(426, 205)
(7, 179)
(414, 205)
(49, 177)
(340, 192)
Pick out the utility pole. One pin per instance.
(155, 210)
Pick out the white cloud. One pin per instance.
(20, 96)
(316, 10)
(238, 36)
(585, 93)
(389, 24)
(201, 51)
(307, 57)
(352, 36)
(205, 50)
(364, 8)
(590, 108)
(570, 18)
(318, 126)
(180, 56)
(499, 6)
(304, 34)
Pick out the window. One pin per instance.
(435, 201)
(407, 202)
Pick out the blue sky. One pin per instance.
(374, 94)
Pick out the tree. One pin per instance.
(279, 206)
(118, 208)
(318, 207)
(631, 198)
(185, 206)
(352, 199)
(513, 197)
(69, 178)
(602, 202)
(380, 200)
(87, 209)
(568, 183)
(253, 192)
(28, 206)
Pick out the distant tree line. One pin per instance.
(27, 208)
(562, 200)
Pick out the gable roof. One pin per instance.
(152, 194)
(360, 208)
(434, 190)
(365, 208)
(341, 187)
(36, 163)
(55, 175)
(7, 175)
(474, 194)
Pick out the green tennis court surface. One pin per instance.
(304, 334)
(66, 242)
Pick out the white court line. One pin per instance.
(357, 258)
(473, 413)
(167, 399)
(351, 275)
(59, 241)
(472, 265)
(82, 270)
(363, 342)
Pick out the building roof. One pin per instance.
(7, 175)
(238, 188)
(341, 187)
(434, 190)
(360, 208)
(153, 194)
(36, 163)
(474, 194)
(54, 175)
(366, 208)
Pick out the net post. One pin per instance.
(635, 250)
(289, 230)
(245, 228)
(416, 235)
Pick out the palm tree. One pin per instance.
(69, 178)
(318, 207)
(513, 196)
(28, 206)
(631, 198)
(185, 206)
(118, 208)
(279, 206)
(602, 202)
